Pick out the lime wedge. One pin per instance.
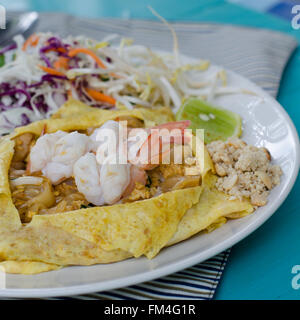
(218, 123)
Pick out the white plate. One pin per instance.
(265, 124)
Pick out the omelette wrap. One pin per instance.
(47, 222)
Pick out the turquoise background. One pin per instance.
(259, 267)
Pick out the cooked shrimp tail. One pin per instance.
(157, 146)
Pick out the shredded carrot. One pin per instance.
(112, 74)
(51, 70)
(74, 52)
(100, 96)
(61, 63)
(33, 40)
(60, 49)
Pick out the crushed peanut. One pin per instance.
(244, 170)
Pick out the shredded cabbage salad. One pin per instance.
(38, 75)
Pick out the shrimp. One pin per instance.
(153, 148)
(101, 184)
(55, 154)
(136, 175)
(103, 180)
(41, 153)
(86, 172)
(114, 179)
(71, 147)
(99, 135)
(109, 139)
(57, 172)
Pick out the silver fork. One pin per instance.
(20, 24)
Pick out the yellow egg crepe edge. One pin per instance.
(104, 234)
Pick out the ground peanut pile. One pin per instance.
(244, 170)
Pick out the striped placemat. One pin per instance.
(198, 283)
(257, 54)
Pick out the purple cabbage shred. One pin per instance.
(8, 48)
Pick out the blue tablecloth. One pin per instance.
(260, 266)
